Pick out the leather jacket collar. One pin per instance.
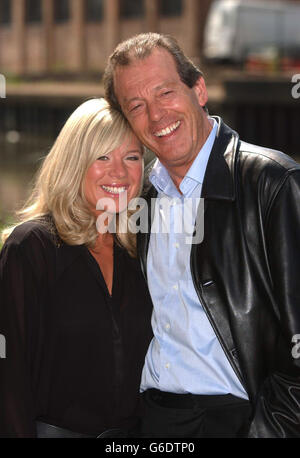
(218, 183)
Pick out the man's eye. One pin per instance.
(167, 92)
(134, 108)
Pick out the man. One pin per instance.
(227, 308)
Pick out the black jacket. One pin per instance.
(247, 274)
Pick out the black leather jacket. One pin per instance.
(247, 274)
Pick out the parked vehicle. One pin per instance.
(236, 28)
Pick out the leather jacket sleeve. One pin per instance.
(277, 409)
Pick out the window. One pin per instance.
(132, 8)
(61, 10)
(5, 11)
(171, 7)
(94, 10)
(33, 11)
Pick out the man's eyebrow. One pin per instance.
(126, 100)
(166, 83)
(156, 89)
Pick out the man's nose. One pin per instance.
(118, 169)
(155, 111)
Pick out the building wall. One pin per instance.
(96, 50)
(62, 52)
(7, 49)
(76, 46)
(35, 51)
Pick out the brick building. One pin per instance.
(42, 36)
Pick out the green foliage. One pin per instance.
(4, 222)
(1, 229)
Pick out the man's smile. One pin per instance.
(167, 130)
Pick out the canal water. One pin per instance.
(27, 132)
(20, 157)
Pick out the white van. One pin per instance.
(236, 28)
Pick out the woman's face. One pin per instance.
(115, 178)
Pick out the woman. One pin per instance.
(74, 307)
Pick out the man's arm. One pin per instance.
(277, 413)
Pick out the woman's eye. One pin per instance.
(133, 158)
(102, 158)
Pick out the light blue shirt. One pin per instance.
(185, 355)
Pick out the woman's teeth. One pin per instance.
(114, 189)
(167, 130)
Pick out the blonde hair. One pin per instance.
(93, 129)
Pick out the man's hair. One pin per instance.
(141, 46)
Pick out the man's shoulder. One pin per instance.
(264, 172)
(266, 158)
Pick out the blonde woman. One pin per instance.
(74, 308)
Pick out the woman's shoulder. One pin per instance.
(34, 232)
(31, 246)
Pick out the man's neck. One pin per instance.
(178, 172)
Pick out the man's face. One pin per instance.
(165, 113)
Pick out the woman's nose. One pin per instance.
(118, 169)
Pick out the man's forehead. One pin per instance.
(135, 70)
(158, 56)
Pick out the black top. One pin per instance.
(74, 354)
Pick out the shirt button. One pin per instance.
(175, 287)
(176, 245)
(167, 326)
(168, 366)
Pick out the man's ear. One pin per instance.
(201, 91)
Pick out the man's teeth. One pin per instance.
(167, 130)
(113, 189)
